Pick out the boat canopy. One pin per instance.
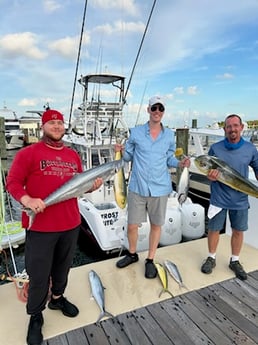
(101, 78)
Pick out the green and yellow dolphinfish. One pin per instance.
(120, 187)
(228, 175)
(162, 273)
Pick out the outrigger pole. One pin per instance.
(139, 50)
(77, 63)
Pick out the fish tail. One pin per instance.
(30, 214)
(166, 290)
(182, 285)
(31, 219)
(169, 292)
(103, 314)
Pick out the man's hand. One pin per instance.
(185, 162)
(97, 183)
(35, 204)
(213, 175)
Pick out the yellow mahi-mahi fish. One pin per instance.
(120, 187)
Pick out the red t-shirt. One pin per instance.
(39, 170)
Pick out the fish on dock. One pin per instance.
(162, 273)
(120, 187)
(97, 291)
(79, 184)
(228, 175)
(174, 272)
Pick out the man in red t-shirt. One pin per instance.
(51, 239)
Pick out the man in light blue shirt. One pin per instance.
(150, 148)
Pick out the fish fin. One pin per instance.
(30, 214)
(161, 292)
(31, 219)
(182, 285)
(165, 290)
(169, 292)
(103, 314)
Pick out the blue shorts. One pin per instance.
(238, 220)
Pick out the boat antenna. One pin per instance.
(77, 63)
(138, 53)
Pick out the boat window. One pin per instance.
(11, 127)
(106, 155)
(95, 159)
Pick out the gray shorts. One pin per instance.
(139, 206)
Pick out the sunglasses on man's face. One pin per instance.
(159, 107)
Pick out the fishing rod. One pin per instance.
(139, 110)
(138, 53)
(77, 63)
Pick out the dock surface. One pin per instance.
(215, 309)
(221, 314)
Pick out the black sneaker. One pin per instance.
(127, 260)
(34, 335)
(67, 308)
(208, 265)
(236, 267)
(150, 269)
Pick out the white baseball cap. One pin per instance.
(156, 99)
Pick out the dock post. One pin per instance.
(3, 151)
(182, 135)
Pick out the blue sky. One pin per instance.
(201, 55)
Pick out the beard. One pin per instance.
(53, 141)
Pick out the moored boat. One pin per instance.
(11, 232)
(14, 136)
(96, 126)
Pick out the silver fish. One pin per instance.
(228, 175)
(183, 186)
(174, 272)
(79, 184)
(97, 290)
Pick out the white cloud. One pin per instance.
(67, 46)
(51, 5)
(192, 90)
(25, 102)
(225, 76)
(179, 90)
(21, 45)
(120, 26)
(127, 6)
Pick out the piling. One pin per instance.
(182, 135)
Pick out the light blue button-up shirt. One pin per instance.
(151, 160)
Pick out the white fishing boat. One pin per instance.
(14, 136)
(95, 127)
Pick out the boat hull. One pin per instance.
(105, 224)
(12, 234)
